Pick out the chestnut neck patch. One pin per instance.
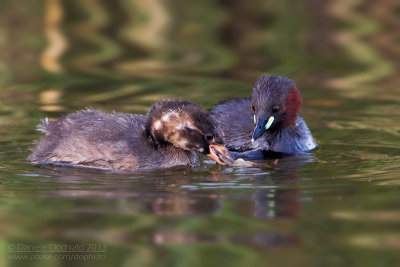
(292, 106)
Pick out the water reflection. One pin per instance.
(277, 203)
(231, 38)
(59, 56)
(50, 100)
(57, 43)
(183, 205)
(200, 192)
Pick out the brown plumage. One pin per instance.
(170, 135)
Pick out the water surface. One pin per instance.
(338, 206)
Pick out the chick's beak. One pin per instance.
(221, 155)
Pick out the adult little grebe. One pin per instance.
(170, 135)
(269, 121)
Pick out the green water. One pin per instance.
(337, 207)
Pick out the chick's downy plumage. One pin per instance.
(173, 133)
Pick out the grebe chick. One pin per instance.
(171, 134)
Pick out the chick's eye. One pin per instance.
(275, 109)
(209, 136)
(253, 108)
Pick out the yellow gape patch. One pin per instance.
(269, 122)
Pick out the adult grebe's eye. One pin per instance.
(255, 119)
(209, 136)
(275, 109)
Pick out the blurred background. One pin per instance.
(349, 46)
(335, 207)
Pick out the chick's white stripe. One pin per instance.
(157, 125)
(169, 115)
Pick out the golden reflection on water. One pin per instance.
(376, 241)
(387, 215)
(151, 32)
(50, 100)
(57, 43)
(361, 52)
(338, 44)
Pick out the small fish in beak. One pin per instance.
(221, 155)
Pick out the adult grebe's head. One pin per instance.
(276, 102)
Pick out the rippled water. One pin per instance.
(338, 206)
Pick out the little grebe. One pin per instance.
(268, 122)
(170, 135)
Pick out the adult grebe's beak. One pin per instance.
(221, 155)
(261, 127)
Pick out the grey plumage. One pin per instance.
(91, 138)
(289, 133)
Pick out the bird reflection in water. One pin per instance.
(270, 197)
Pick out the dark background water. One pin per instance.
(338, 207)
